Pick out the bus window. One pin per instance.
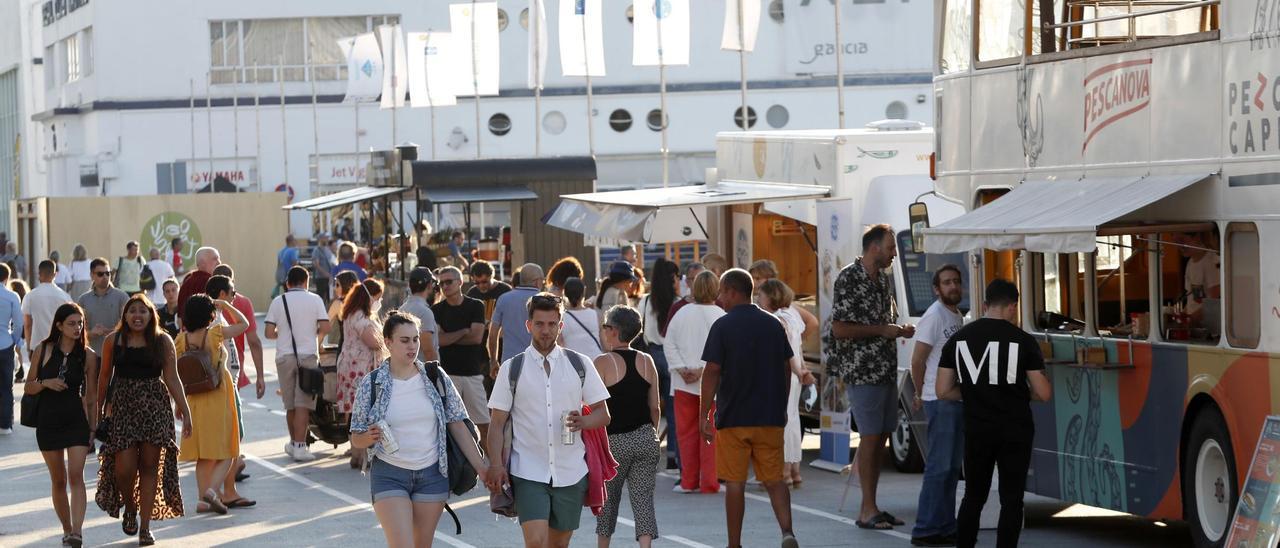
(1191, 271)
(917, 272)
(957, 37)
(1000, 27)
(1057, 289)
(1244, 295)
(1123, 301)
(1193, 19)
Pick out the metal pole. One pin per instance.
(839, 68)
(257, 127)
(537, 81)
(284, 131)
(662, 103)
(235, 118)
(395, 35)
(475, 75)
(742, 62)
(315, 135)
(431, 104)
(192, 111)
(586, 65)
(208, 116)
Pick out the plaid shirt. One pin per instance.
(859, 299)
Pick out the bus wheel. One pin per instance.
(1209, 479)
(902, 445)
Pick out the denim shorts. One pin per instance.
(426, 485)
(874, 408)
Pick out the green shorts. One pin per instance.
(561, 507)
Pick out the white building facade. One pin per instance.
(100, 98)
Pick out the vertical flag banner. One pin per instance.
(478, 56)
(395, 60)
(750, 25)
(581, 38)
(661, 35)
(537, 44)
(433, 69)
(364, 68)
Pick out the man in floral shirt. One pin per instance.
(860, 352)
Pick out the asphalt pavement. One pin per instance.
(325, 503)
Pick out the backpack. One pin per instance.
(575, 358)
(196, 369)
(147, 280)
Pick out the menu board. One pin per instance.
(1257, 519)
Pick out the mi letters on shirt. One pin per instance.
(991, 359)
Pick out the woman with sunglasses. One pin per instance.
(64, 377)
(361, 346)
(139, 387)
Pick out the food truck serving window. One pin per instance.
(917, 272)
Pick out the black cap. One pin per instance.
(419, 278)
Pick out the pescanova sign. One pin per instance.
(1114, 92)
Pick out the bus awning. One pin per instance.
(477, 194)
(1049, 216)
(347, 197)
(663, 215)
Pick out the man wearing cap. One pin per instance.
(421, 283)
(323, 259)
(509, 316)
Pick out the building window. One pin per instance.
(751, 118)
(71, 46)
(1244, 293)
(554, 122)
(50, 63)
(777, 116)
(503, 20)
(776, 11)
(896, 110)
(620, 120)
(656, 120)
(499, 124)
(631, 13)
(1191, 286)
(293, 50)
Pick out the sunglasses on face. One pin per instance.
(447, 283)
(102, 273)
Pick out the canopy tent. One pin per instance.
(1052, 216)
(347, 197)
(664, 215)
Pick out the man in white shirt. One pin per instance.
(944, 457)
(297, 332)
(161, 270)
(549, 477)
(40, 304)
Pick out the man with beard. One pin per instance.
(548, 468)
(935, 514)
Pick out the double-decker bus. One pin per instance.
(1120, 161)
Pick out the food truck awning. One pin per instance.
(660, 215)
(477, 194)
(1053, 216)
(347, 197)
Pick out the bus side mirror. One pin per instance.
(918, 213)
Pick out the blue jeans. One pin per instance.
(668, 401)
(6, 394)
(936, 513)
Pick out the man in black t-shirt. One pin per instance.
(460, 321)
(997, 369)
(487, 290)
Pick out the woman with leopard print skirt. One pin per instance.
(139, 461)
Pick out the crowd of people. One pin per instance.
(705, 357)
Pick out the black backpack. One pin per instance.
(147, 280)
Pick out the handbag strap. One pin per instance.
(289, 321)
(584, 328)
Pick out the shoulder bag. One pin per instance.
(29, 416)
(462, 476)
(310, 380)
(584, 328)
(103, 433)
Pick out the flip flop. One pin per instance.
(240, 503)
(878, 523)
(891, 519)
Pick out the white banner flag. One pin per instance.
(581, 38)
(364, 68)
(537, 44)
(395, 60)
(661, 35)
(477, 57)
(750, 24)
(433, 69)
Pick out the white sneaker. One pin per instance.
(288, 449)
(682, 490)
(6, 431)
(303, 454)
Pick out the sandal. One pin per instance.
(74, 540)
(130, 523)
(892, 519)
(66, 539)
(210, 498)
(240, 503)
(145, 538)
(878, 523)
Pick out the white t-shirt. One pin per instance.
(686, 337)
(80, 271)
(536, 409)
(652, 333)
(1204, 273)
(935, 329)
(794, 326)
(412, 420)
(582, 331)
(306, 310)
(41, 303)
(63, 276)
(161, 271)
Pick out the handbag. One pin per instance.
(103, 432)
(503, 501)
(310, 379)
(462, 476)
(30, 413)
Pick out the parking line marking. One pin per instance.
(357, 503)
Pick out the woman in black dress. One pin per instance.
(64, 375)
(139, 387)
